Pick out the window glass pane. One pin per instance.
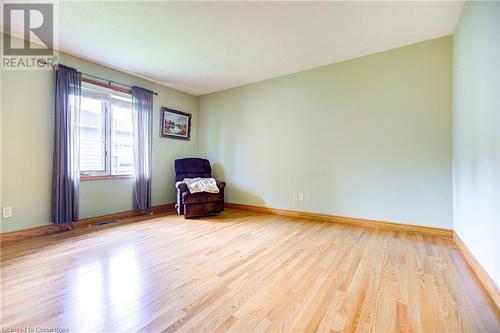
(106, 138)
(92, 136)
(122, 150)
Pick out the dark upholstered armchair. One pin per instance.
(196, 204)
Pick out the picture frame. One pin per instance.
(175, 124)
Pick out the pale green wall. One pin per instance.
(26, 140)
(367, 138)
(476, 132)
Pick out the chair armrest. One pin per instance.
(182, 187)
(221, 185)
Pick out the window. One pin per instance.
(106, 138)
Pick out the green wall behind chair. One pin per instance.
(367, 138)
(27, 99)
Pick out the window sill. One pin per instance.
(86, 178)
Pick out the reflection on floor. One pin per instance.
(241, 272)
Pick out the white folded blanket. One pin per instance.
(196, 185)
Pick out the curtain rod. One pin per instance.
(110, 82)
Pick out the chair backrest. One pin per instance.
(192, 168)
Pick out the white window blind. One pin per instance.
(106, 138)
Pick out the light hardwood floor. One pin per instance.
(241, 272)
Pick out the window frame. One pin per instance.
(107, 128)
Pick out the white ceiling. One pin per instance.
(202, 47)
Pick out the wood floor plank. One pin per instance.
(240, 272)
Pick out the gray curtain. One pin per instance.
(142, 116)
(66, 163)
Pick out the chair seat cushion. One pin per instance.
(196, 185)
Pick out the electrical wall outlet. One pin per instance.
(301, 196)
(295, 196)
(7, 212)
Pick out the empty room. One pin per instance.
(250, 166)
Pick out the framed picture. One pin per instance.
(175, 124)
